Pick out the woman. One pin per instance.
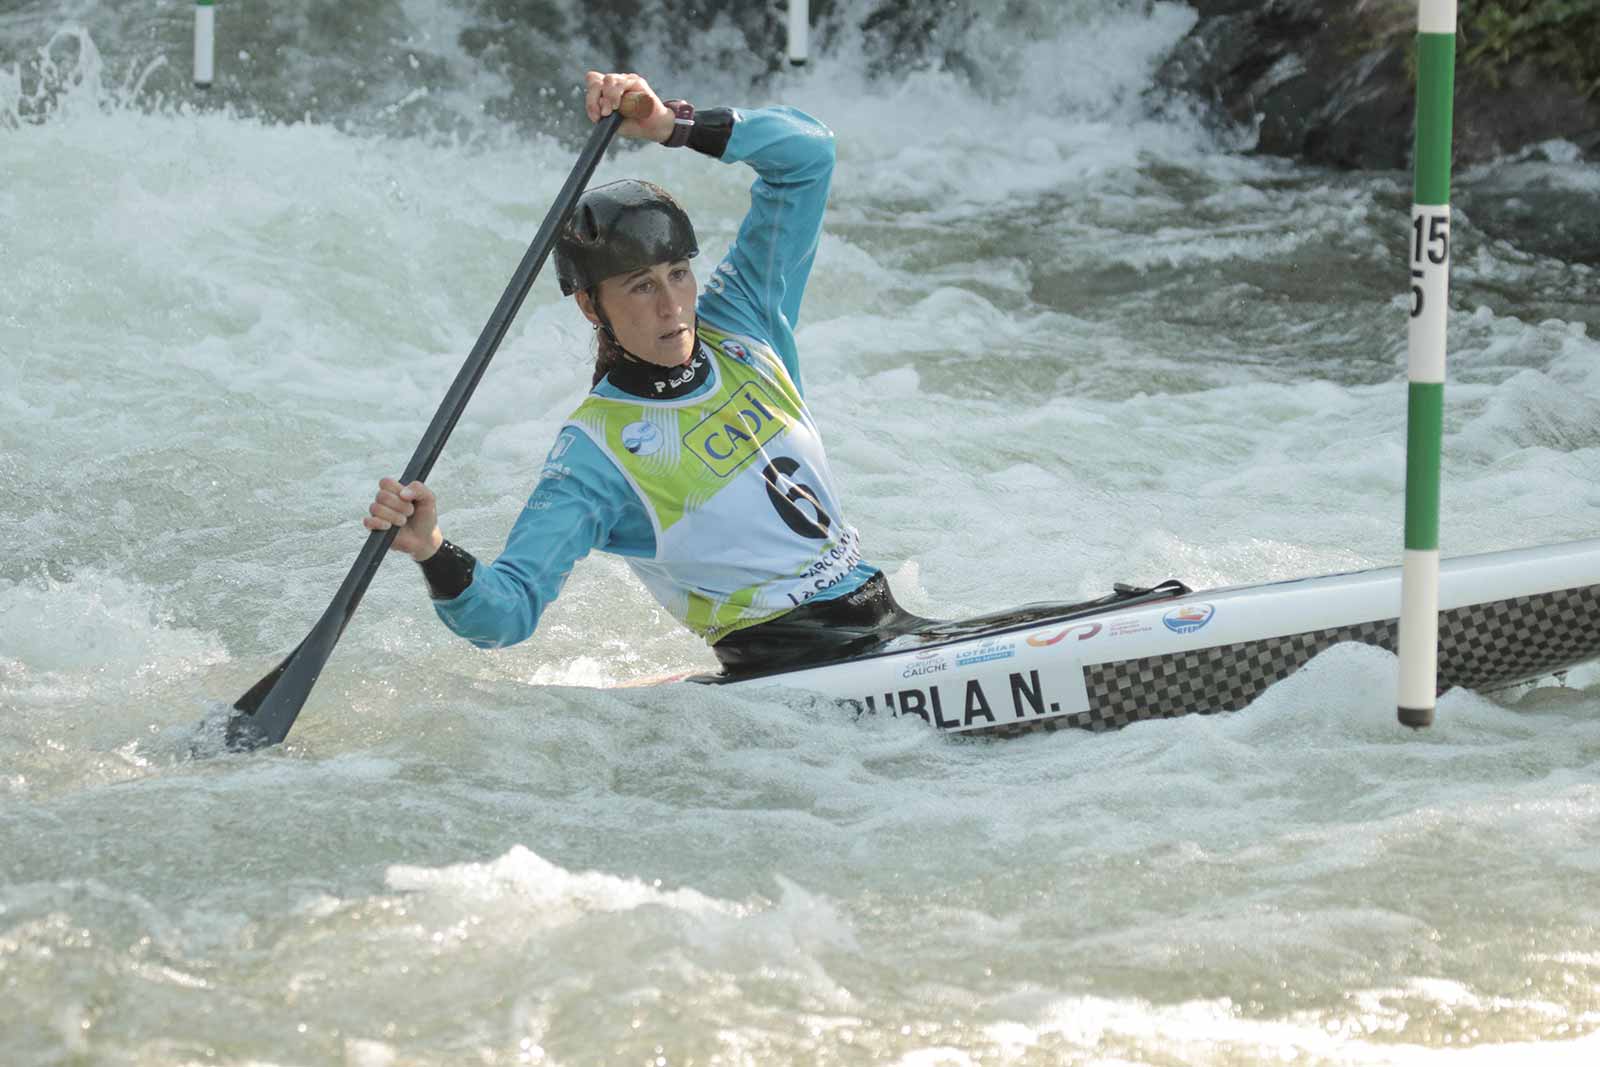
(693, 456)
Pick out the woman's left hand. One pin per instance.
(604, 95)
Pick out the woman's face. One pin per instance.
(651, 311)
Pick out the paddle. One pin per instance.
(265, 713)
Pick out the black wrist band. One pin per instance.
(448, 571)
(711, 130)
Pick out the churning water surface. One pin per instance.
(1060, 334)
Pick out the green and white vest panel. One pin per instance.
(737, 486)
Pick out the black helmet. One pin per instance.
(619, 227)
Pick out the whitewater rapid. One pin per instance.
(1060, 334)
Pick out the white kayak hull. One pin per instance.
(1505, 617)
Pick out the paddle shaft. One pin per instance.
(269, 708)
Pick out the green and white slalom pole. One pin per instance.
(205, 43)
(1430, 291)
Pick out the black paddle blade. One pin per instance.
(268, 709)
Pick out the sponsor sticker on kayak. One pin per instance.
(985, 652)
(1188, 618)
(929, 662)
(1045, 639)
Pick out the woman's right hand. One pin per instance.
(603, 95)
(414, 509)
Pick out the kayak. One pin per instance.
(1166, 650)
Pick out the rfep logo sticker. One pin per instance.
(1188, 619)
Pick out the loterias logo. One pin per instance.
(1188, 619)
(985, 651)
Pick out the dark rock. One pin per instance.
(1526, 107)
(1326, 82)
(1284, 69)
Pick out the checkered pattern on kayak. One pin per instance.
(1481, 646)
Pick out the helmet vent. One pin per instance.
(589, 228)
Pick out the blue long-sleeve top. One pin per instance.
(582, 501)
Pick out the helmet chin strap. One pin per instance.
(604, 325)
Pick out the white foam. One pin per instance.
(1217, 1031)
(366, 1052)
(93, 625)
(558, 895)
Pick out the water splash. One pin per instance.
(65, 78)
